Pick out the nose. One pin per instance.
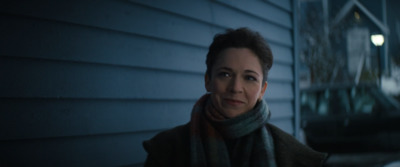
(236, 85)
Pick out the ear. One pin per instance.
(263, 89)
(207, 82)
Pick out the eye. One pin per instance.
(224, 74)
(251, 78)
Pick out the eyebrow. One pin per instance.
(251, 71)
(225, 68)
(246, 71)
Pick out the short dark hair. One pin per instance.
(240, 38)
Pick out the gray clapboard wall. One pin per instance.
(83, 83)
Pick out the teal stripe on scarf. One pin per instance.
(253, 143)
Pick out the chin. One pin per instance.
(232, 114)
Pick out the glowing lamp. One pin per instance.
(377, 39)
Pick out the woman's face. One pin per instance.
(236, 81)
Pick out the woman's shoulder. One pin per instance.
(289, 150)
(165, 146)
(179, 134)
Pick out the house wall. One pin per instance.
(83, 83)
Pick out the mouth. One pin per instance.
(233, 102)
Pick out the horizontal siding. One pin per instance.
(33, 78)
(80, 81)
(70, 42)
(47, 118)
(281, 72)
(262, 10)
(284, 124)
(128, 17)
(44, 118)
(281, 109)
(225, 14)
(273, 33)
(283, 55)
(284, 4)
(278, 91)
(120, 16)
(202, 10)
(85, 44)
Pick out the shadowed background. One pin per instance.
(83, 83)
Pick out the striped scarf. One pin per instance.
(210, 132)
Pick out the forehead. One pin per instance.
(238, 59)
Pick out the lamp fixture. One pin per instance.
(377, 39)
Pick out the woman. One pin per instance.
(229, 125)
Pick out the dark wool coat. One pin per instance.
(172, 148)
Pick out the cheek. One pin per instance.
(254, 92)
(217, 86)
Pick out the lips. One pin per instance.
(233, 102)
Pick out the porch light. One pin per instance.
(377, 39)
